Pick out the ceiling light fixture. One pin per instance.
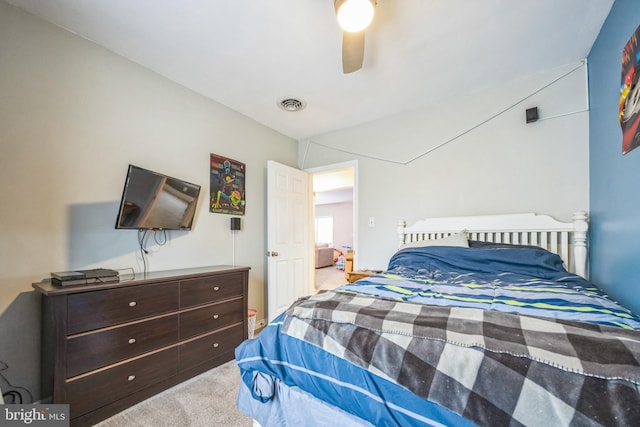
(354, 15)
(291, 104)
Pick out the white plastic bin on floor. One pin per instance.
(252, 321)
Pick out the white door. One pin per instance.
(288, 237)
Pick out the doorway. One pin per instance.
(334, 213)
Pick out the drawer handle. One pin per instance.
(133, 304)
(132, 340)
(215, 345)
(215, 316)
(216, 288)
(131, 378)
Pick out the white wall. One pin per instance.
(73, 116)
(342, 214)
(488, 161)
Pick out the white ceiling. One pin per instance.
(249, 54)
(333, 179)
(333, 196)
(334, 186)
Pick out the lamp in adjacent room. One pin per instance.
(354, 15)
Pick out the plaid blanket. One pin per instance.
(490, 367)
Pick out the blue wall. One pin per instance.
(614, 178)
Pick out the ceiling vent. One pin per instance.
(291, 104)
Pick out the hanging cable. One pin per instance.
(164, 238)
(142, 235)
(11, 393)
(450, 140)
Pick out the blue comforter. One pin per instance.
(275, 356)
(528, 281)
(525, 281)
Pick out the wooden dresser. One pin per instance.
(107, 347)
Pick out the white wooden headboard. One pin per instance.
(567, 239)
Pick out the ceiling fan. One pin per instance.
(353, 16)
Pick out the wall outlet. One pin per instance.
(261, 323)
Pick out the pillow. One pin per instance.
(457, 239)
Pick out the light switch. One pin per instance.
(372, 221)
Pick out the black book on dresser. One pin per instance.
(107, 346)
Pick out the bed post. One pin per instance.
(580, 227)
(400, 230)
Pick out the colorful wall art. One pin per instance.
(227, 186)
(630, 94)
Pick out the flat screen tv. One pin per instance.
(153, 201)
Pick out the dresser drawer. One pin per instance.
(210, 289)
(96, 390)
(97, 349)
(98, 309)
(211, 317)
(210, 347)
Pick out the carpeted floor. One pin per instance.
(328, 278)
(208, 400)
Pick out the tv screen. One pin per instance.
(154, 201)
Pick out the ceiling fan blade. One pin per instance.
(352, 51)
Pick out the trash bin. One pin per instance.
(252, 321)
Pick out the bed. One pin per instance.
(485, 320)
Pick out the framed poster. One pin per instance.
(227, 181)
(630, 94)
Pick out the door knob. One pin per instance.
(272, 253)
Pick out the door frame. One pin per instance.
(327, 168)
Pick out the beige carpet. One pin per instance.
(208, 400)
(328, 278)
